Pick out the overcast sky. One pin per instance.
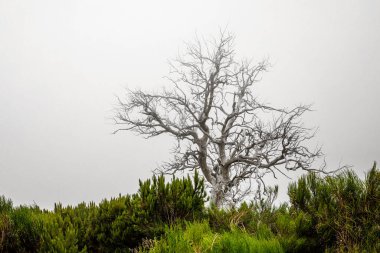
(63, 62)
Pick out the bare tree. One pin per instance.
(219, 125)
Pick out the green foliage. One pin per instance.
(123, 222)
(289, 229)
(20, 228)
(342, 211)
(261, 220)
(62, 229)
(115, 225)
(243, 242)
(6, 205)
(339, 213)
(255, 217)
(194, 239)
(198, 237)
(179, 199)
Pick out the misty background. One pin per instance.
(62, 64)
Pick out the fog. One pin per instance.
(62, 64)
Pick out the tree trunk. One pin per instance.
(218, 188)
(217, 197)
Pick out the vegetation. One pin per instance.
(343, 211)
(339, 213)
(198, 237)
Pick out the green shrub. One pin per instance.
(241, 242)
(195, 238)
(198, 237)
(59, 234)
(342, 211)
(20, 228)
(122, 223)
(335, 213)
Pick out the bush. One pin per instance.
(20, 228)
(335, 213)
(240, 242)
(198, 237)
(342, 211)
(60, 233)
(115, 225)
(124, 222)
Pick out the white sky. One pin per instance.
(63, 62)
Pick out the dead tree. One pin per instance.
(219, 125)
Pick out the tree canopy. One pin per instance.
(218, 123)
